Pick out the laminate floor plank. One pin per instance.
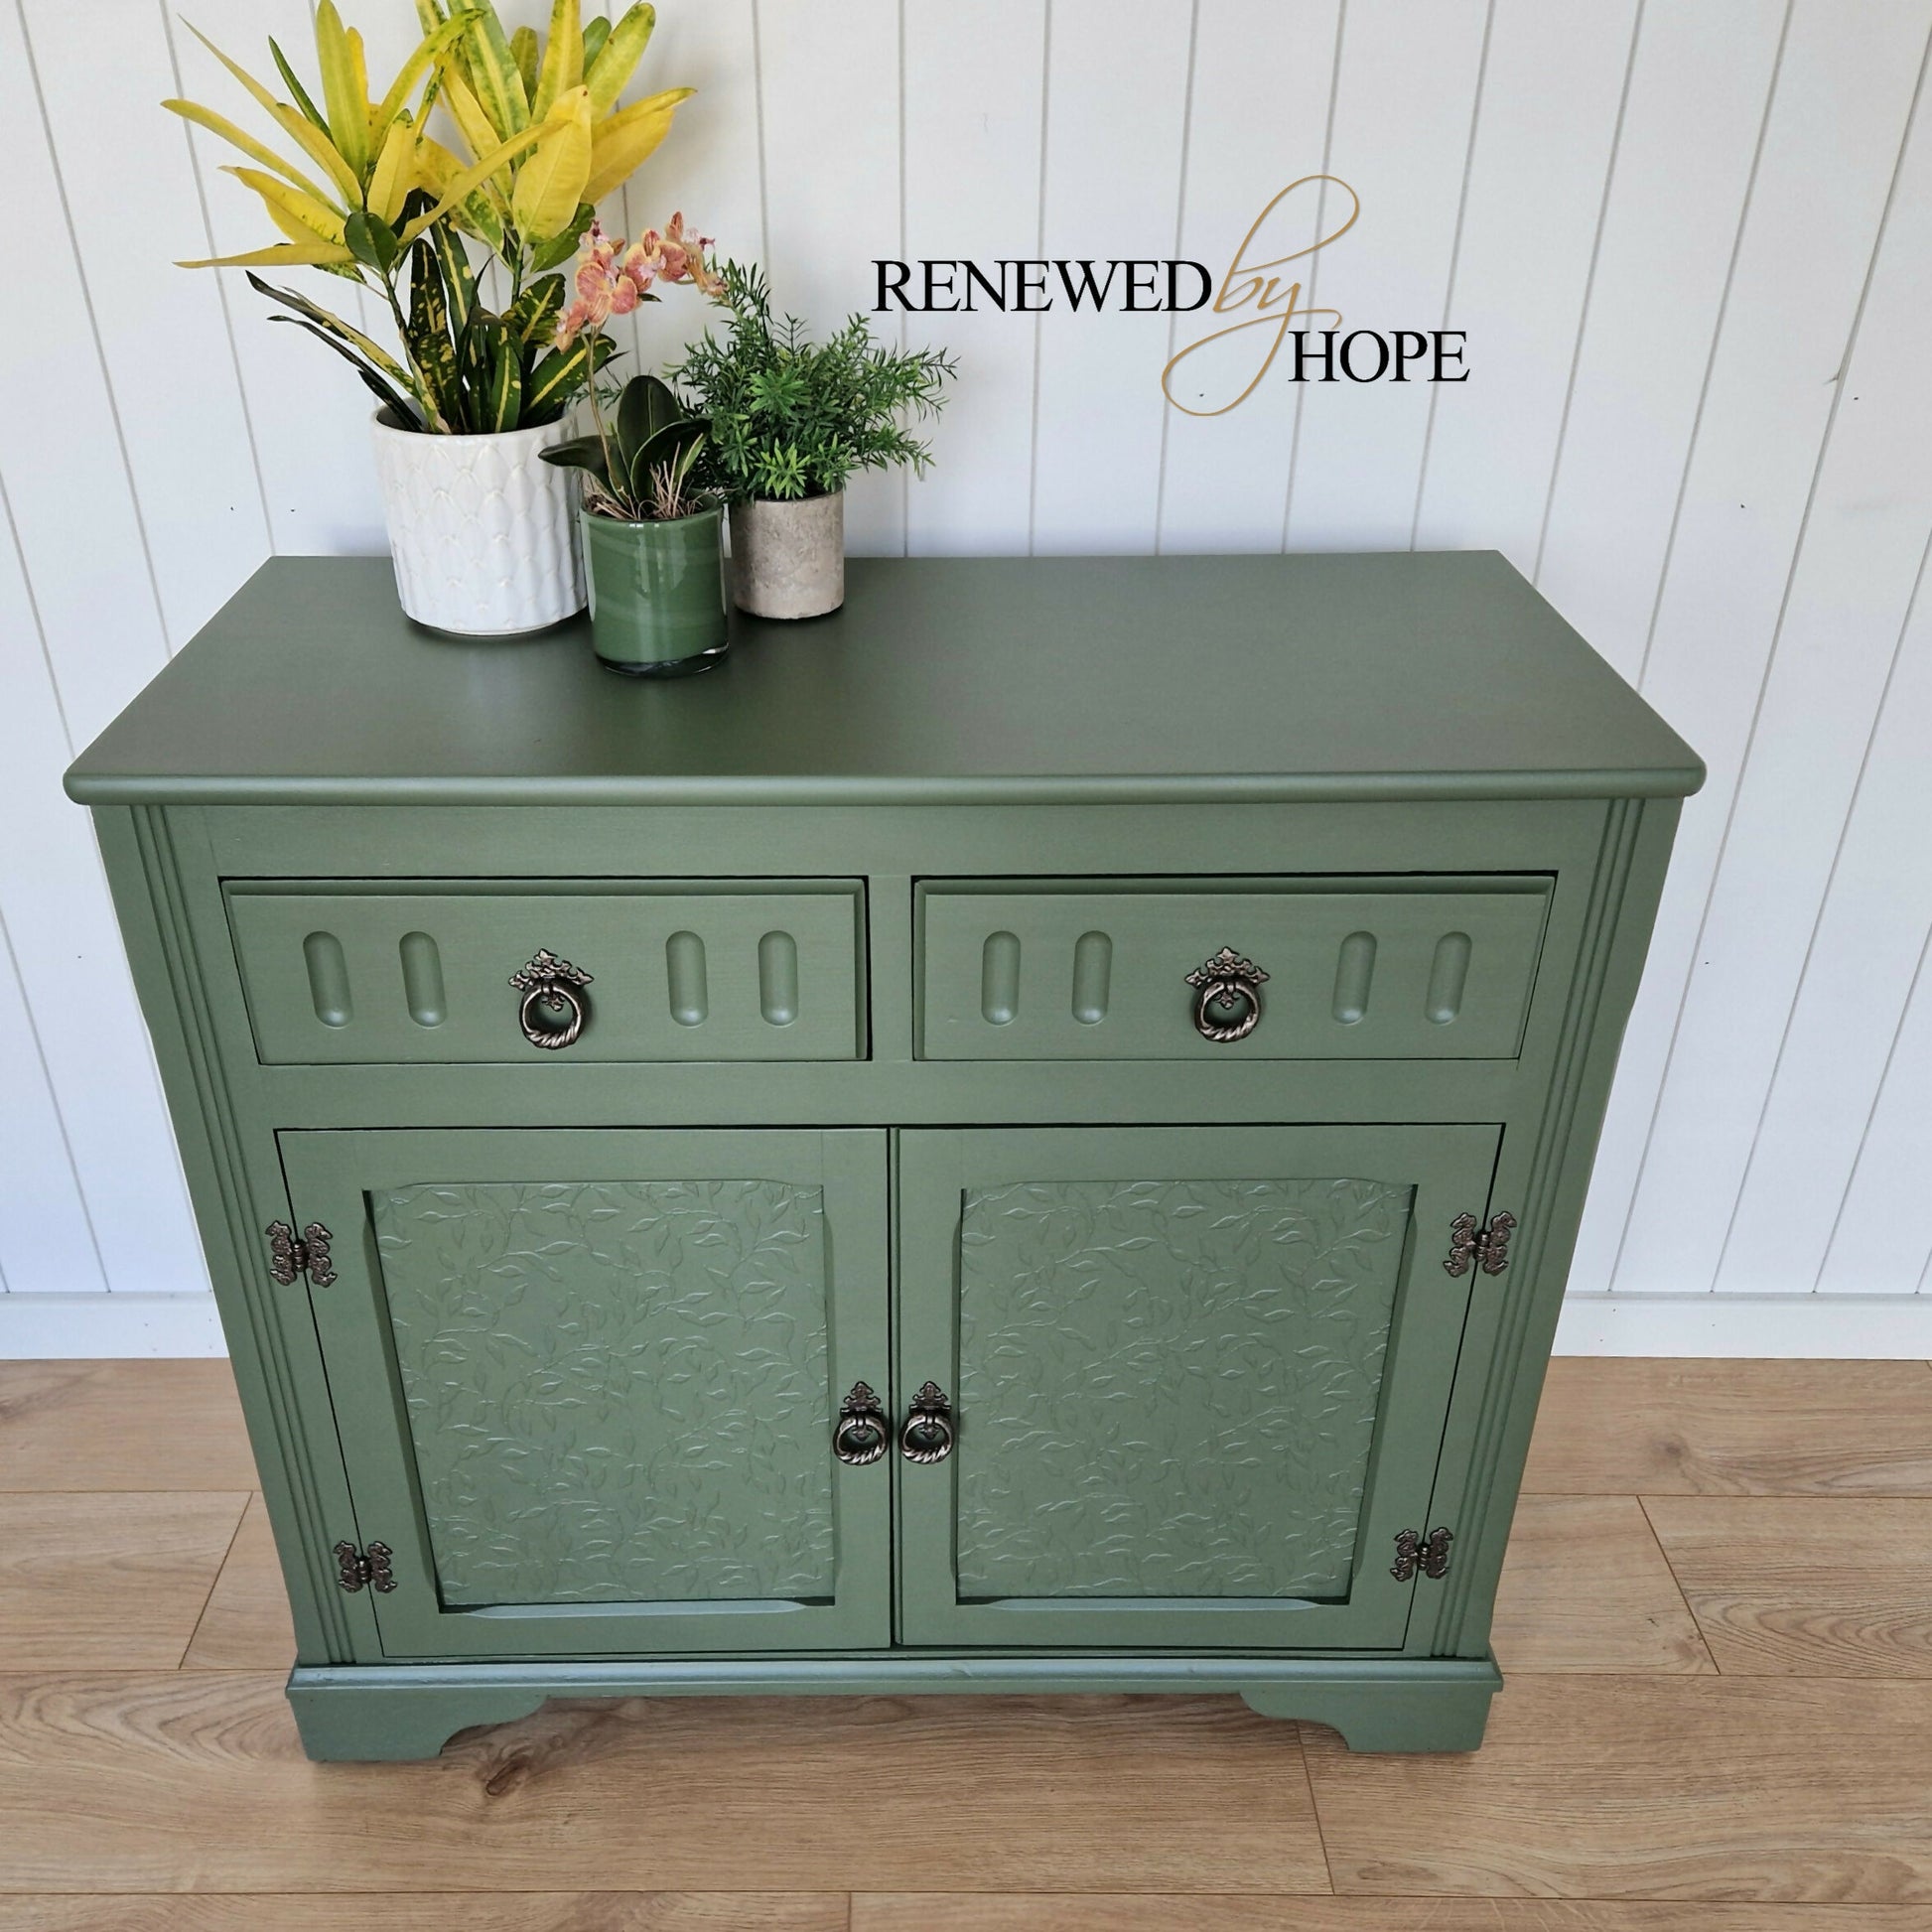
(563, 1911)
(1585, 1588)
(246, 1625)
(1777, 1790)
(1796, 1585)
(1668, 1427)
(122, 1425)
(196, 1780)
(109, 1581)
(1095, 1912)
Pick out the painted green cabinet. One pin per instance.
(944, 1155)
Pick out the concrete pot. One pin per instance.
(788, 559)
(482, 532)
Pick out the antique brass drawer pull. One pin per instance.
(1227, 980)
(926, 1435)
(550, 985)
(862, 1435)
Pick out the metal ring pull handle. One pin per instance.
(926, 1435)
(862, 1435)
(1227, 980)
(550, 985)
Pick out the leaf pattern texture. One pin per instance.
(1169, 1388)
(618, 1392)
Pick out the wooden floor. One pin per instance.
(1716, 1627)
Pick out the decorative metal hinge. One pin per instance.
(1414, 1551)
(1487, 1247)
(354, 1568)
(288, 1257)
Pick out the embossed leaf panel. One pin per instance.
(1198, 1375)
(616, 1389)
(1173, 1383)
(588, 1380)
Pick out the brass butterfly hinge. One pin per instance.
(356, 1568)
(1484, 1247)
(289, 1256)
(1413, 1551)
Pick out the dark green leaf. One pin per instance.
(370, 352)
(647, 405)
(506, 383)
(370, 239)
(675, 445)
(406, 413)
(430, 344)
(533, 315)
(559, 377)
(302, 99)
(580, 453)
(560, 247)
(596, 33)
(458, 280)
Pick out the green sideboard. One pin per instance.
(1024, 1136)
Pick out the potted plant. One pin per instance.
(651, 529)
(651, 535)
(482, 532)
(791, 422)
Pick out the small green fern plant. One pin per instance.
(791, 418)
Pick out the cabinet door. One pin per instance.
(1199, 1379)
(587, 1383)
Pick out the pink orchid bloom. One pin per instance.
(684, 257)
(613, 277)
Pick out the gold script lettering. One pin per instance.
(1249, 282)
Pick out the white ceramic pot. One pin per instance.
(788, 559)
(482, 532)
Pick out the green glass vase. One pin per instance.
(656, 594)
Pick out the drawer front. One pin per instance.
(341, 973)
(1397, 968)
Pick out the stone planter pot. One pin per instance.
(788, 559)
(657, 594)
(482, 532)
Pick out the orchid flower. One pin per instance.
(614, 276)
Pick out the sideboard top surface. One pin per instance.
(941, 681)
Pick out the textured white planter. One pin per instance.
(482, 532)
(788, 559)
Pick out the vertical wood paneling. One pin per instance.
(815, 57)
(1405, 105)
(1738, 585)
(1657, 222)
(1116, 88)
(81, 536)
(1552, 86)
(1881, 1238)
(1860, 968)
(1823, 171)
(84, 601)
(204, 520)
(46, 1244)
(1264, 72)
(972, 191)
(1697, 100)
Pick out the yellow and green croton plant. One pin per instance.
(370, 194)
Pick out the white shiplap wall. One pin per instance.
(1691, 241)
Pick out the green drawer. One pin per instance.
(358, 971)
(1415, 967)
